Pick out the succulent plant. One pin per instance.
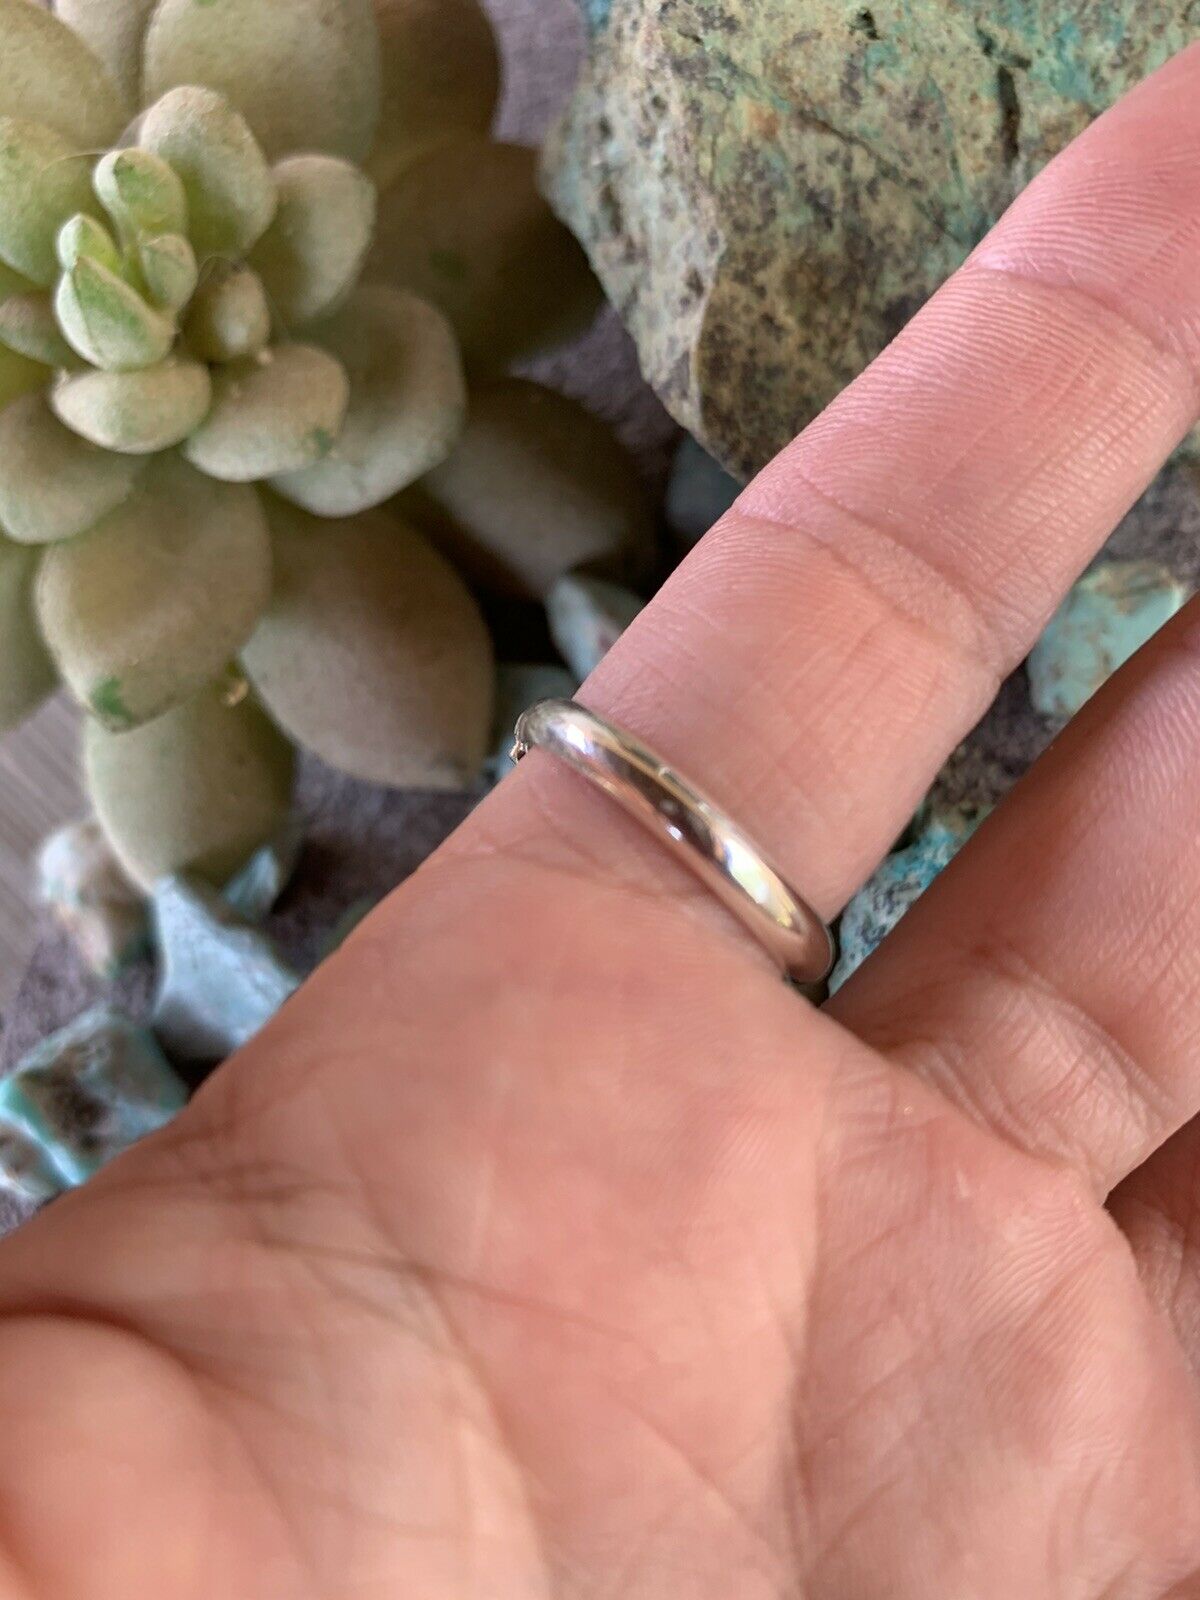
(248, 253)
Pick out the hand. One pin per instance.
(548, 1248)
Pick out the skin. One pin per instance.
(548, 1248)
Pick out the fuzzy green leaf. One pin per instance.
(141, 193)
(229, 318)
(26, 671)
(81, 236)
(305, 74)
(466, 227)
(12, 283)
(135, 413)
(42, 184)
(107, 322)
(310, 257)
(169, 268)
(536, 487)
(143, 610)
(407, 403)
(373, 653)
(54, 485)
(28, 326)
(113, 30)
(48, 75)
(278, 414)
(441, 76)
(199, 789)
(228, 184)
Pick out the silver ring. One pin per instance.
(696, 831)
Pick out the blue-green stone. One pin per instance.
(587, 616)
(90, 1091)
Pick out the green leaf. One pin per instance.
(12, 283)
(141, 193)
(310, 257)
(107, 322)
(229, 318)
(149, 605)
(305, 74)
(197, 790)
(536, 487)
(169, 268)
(49, 75)
(19, 375)
(277, 414)
(81, 236)
(113, 30)
(373, 653)
(42, 184)
(407, 403)
(465, 227)
(441, 76)
(28, 326)
(54, 485)
(26, 671)
(135, 413)
(228, 184)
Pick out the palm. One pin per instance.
(548, 1246)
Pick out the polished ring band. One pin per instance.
(708, 842)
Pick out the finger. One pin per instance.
(827, 645)
(1049, 983)
(1158, 1208)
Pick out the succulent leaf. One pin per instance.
(199, 789)
(26, 671)
(148, 606)
(82, 235)
(48, 75)
(18, 375)
(135, 413)
(407, 402)
(311, 255)
(225, 176)
(466, 227)
(536, 487)
(28, 326)
(373, 653)
(306, 74)
(42, 183)
(113, 30)
(54, 485)
(229, 318)
(12, 283)
(441, 76)
(168, 265)
(277, 414)
(107, 322)
(141, 193)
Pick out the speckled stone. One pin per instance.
(769, 190)
(83, 1096)
(1109, 615)
(587, 616)
(897, 884)
(79, 878)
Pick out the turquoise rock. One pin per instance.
(220, 979)
(87, 1093)
(519, 686)
(252, 891)
(1109, 615)
(80, 880)
(898, 884)
(26, 1171)
(699, 493)
(587, 616)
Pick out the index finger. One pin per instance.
(823, 650)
